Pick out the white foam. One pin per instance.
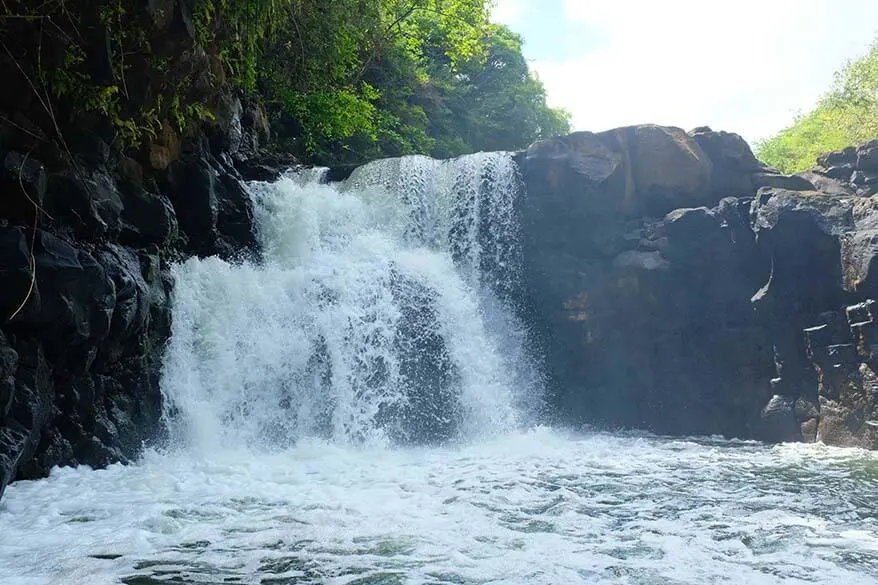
(385, 298)
(537, 507)
(379, 313)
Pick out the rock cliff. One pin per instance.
(674, 282)
(679, 285)
(85, 250)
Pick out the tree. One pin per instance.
(844, 116)
(343, 81)
(399, 77)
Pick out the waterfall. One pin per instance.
(381, 312)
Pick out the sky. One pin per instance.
(746, 66)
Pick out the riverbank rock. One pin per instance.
(85, 302)
(723, 316)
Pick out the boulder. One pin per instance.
(779, 181)
(826, 185)
(641, 170)
(147, 219)
(843, 172)
(191, 185)
(778, 422)
(867, 157)
(669, 168)
(839, 157)
(87, 203)
(733, 162)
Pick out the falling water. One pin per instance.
(357, 409)
(380, 313)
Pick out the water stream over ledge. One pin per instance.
(363, 408)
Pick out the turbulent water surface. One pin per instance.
(362, 407)
(531, 507)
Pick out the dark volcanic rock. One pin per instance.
(845, 363)
(714, 318)
(855, 168)
(85, 305)
(637, 171)
(778, 422)
(29, 409)
(859, 250)
(147, 219)
(646, 322)
(838, 157)
(22, 187)
(828, 186)
(789, 182)
(89, 204)
(79, 363)
(841, 172)
(235, 217)
(191, 186)
(211, 204)
(71, 300)
(733, 162)
(867, 157)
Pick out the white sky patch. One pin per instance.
(508, 12)
(747, 66)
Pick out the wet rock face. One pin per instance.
(725, 315)
(644, 310)
(212, 207)
(76, 359)
(843, 351)
(85, 300)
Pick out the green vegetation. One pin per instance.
(847, 115)
(392, 78)
(342, 81)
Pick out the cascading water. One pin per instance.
(380, 312)
(353, 410)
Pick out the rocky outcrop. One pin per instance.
(675, 283)
(85, 250)
(856, 169)
(99, 193)
(679, 285)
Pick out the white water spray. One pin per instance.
(380, 313)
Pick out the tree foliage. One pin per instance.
(343, 81)
(846, 115)
(354, 80)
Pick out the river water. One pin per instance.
(364, 406)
